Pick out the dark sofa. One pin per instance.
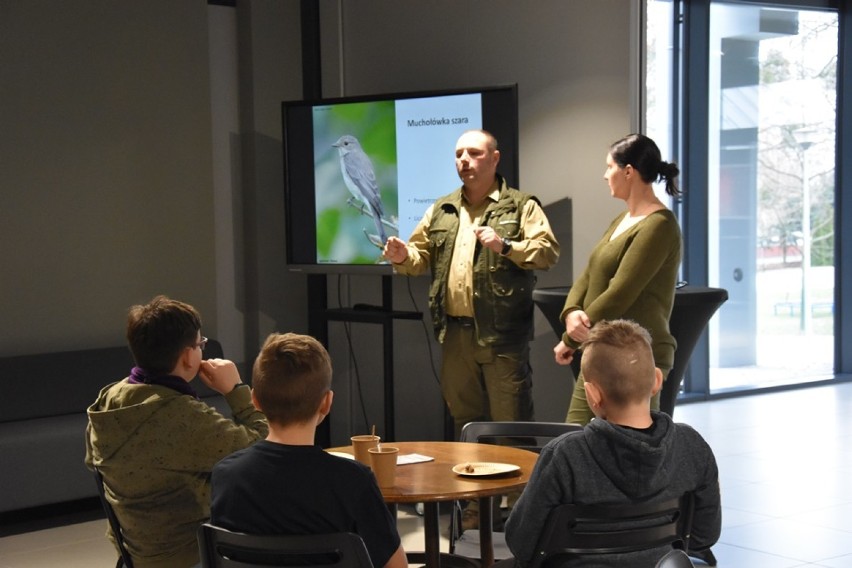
(43, 401)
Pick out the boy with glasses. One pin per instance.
(155, 442)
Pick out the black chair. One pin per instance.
(221, 548)
(124, 558)
(213, 349)
(675, 559)
(532, 436)
(705, 556)
(587, 530)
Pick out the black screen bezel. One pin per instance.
(499, 116)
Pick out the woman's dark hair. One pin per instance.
(643, 154)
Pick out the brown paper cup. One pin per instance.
(360, 445)
(383, 462)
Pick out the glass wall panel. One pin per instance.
(770, 185)
(771, 193)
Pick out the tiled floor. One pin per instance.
(785, 461)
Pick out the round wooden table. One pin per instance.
(434, 481)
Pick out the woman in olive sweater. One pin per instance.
(632, 271)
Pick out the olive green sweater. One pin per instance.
(633, 277)
(156, 448)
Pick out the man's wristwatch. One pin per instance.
(507, 246)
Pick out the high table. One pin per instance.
(693, 308)
(434, 481)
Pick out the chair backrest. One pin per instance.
(580, 530)
(675, 559)
(124, 558)
(527, 435)
(226, 549)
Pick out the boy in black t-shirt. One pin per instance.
(288, 485)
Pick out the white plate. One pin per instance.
(342, 455)
(484, 468)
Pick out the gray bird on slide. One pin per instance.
(360, 179)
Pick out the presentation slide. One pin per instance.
(379, 165)
(426, 133)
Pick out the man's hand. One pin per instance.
(395, 250)
(220, 375)
(563, 354)
(489, 238)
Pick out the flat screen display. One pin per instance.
(360, 169)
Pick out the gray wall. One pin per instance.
(105, 167)
(117, 185)
(270, 72)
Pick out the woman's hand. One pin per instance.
(563, 354)
(577, 325)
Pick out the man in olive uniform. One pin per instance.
(482, 243)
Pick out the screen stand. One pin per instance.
(383, 315)
(318, 329)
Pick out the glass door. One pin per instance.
(771, 156)
(743, 95)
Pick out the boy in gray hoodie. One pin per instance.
(628, 454)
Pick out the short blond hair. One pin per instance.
(617, 357)
(291, 375)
